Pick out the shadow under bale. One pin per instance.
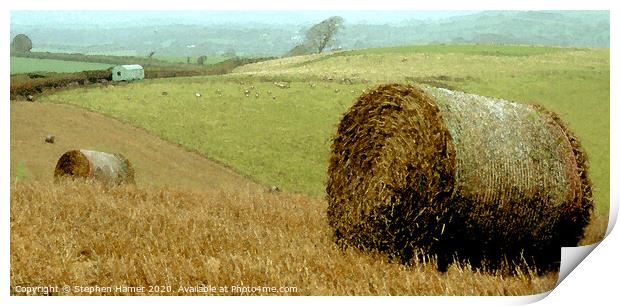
(433, 172)
(101, 166)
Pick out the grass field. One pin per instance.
(27, 65)
(282, 136)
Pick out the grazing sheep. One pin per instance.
(282, 85)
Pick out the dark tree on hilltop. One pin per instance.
(21, 44)
(322, 34)
(201, 60)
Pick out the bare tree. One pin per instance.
(151, 54)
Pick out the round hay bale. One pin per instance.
(101, 166)
(433, 172)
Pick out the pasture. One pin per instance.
(28, 65)
(282, 136)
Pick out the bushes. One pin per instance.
(31, 84)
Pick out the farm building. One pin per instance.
(127, 73)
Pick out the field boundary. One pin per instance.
(30, 84)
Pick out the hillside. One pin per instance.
(574, 82)
(552, 28)
(281, 135)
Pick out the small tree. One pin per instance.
(201, 60)
(321, 35)
(151, 54)
(21, 44)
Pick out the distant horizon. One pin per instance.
(274, 33)
(97, 18)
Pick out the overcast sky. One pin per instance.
(189, 17)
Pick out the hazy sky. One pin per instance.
(190, 17)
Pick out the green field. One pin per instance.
(27, 65)
(285, 140)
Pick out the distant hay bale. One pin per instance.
(50, 138)
(427, 171)
(101, 166)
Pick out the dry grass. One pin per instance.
(83, 234)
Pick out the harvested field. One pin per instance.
(157, 162)
(435, 172)
(84, 234)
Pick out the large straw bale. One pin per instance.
(428, 171)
